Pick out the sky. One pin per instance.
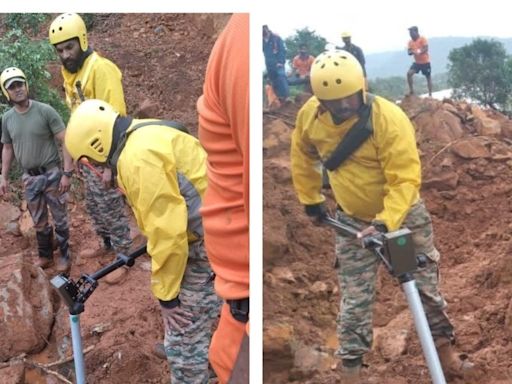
(382, 26)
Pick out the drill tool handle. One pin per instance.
(120, 261)
(371, 242)
(344, 229)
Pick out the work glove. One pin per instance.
(316, 212)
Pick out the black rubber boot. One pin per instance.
(64, 262)
(45, 248)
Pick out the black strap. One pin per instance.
(239, 309)
(112, 162)
(355, 137)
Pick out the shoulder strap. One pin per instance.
(355, 137)
(112, 162)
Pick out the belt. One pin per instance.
(239, 309)
(36, 171)
(39, 170)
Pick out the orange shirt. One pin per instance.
(224, 133)
(303, 67)
(420, 42)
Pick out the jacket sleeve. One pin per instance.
(305, 164)
(400, 163)
(160, 210)
(108, 85)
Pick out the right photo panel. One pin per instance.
(387, 204)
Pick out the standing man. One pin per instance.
(275, 59)
(29, 130)
(354, 50)
(224, 133)
(162, 171)
(418, 47)
(90, 76)
(376, 188)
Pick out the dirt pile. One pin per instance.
(163, 58)
(466, 155)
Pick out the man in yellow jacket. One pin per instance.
(87, 75)
(162, 172)
(376, 188)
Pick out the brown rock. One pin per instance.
(26, 309)
(487, 127)
(445, 180)
(13, 374)
(472, 148)
(8, 213)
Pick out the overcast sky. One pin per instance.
(382, 26)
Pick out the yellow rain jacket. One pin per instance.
(163, 174)
(99, 79)
(379, 181)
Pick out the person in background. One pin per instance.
(224, 133)
(418, 47)
(301, 65)
(275, 59)
(356, 51)
(30, 130)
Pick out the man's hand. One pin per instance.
(175, 318)
(4, 185)
(107, 177)
(316, 212)
(64, 184)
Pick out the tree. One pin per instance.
(481, 71)
(315, 43)
(18, 49)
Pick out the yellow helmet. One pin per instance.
(89, 131)
(68, 26)
(10, 75)
(345, 34)
(335, 75)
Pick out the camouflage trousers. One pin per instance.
(107, 210)
(357, 272)
(187, 350)
(42, 192)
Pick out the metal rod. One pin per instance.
(119, 262)
(78, 355)
(413, 298)
(423, 330)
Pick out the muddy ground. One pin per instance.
(466, 158)
(163, 59)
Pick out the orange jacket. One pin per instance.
(415, 46)
(303, 67)
(224, 133)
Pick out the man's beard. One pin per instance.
(72, 65)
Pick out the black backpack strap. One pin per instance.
(112, 162)
(355, 137)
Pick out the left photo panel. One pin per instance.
(124, 198)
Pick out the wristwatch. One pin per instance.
(68, 173)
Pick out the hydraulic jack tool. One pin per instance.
(396, 250)
(75, 294)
